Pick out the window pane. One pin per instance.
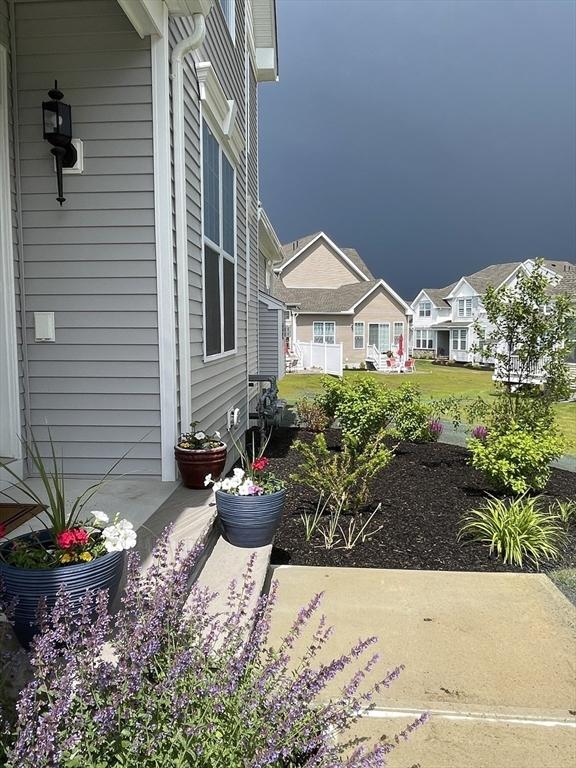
(228, 279)
(212, 301)
(210, 160)
(227, 206)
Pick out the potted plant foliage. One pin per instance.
(250, 503)
(198, 454)
(73, 551)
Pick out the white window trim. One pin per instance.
(11, 403)
(463, 308)
(456, 336)
(422, 337)
(219, 250)
(221, 111)
(421, 311)
(323, 323)
(354, 334)
(379, 324)
(401, 324)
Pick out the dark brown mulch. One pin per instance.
(424, 492)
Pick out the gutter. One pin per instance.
(181, 50)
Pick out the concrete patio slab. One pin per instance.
(481, 647)
(445, 743)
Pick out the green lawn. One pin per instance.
(434, 381)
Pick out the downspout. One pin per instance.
(181, 50)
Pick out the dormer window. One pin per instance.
(464, 307)
(425, 309)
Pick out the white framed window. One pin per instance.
(359, 338)
(227, 7)
(423, 339)
(398, 331)
(379, 336)
(219, 209)
(460, 339)
(425, 309)
(324, 333)
(464, 307)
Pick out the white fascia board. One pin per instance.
(270, 301)
(146, 16)
(324, 312)
(454, 292)
(268, 241)
(189, 7)
(333, 245)
(382, 284)
(221, 110)
(418, 299)
(266, 65)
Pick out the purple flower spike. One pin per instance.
(480, 432)
(436, 428)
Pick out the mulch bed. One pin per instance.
(424, 492)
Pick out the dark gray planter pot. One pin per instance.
(250, 521)
(28, 585)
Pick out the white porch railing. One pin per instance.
(515, 370)
(327, 358)
(381, 362)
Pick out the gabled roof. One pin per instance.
(329, 300)
(351, 255)
(496, 274)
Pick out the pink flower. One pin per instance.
(72, 537)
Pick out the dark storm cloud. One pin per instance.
(436, 136)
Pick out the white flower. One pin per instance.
(199, 436)
(217, 434)
(100, 517)
(228, 484)
(244, 489)
(119, 536)
(217, 486)
(208, 480)
(239, 473)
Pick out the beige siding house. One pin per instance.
(333, 298)
(133, 307)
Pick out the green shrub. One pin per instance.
(518, 460)
(566, 511)
(410, 416)
(311, 415)
(341, 476)
(516, 529)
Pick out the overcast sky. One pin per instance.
(435, 136)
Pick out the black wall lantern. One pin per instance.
(57, 123)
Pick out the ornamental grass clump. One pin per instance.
(516, 530)
(188, 685)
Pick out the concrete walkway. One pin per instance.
(491, 656)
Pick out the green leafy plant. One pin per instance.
(327, 521)
(72, 538)
(515, 529)
(311, 415)
(518, 460)
(565, 510)
(341, 476)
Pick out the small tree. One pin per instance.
(528, 330)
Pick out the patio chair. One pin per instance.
(410, 365)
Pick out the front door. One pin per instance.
(9, 394)
(379, 336)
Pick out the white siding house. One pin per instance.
(149, 271)
(444, 318)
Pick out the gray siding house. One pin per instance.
(133, 307)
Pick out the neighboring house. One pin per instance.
(444, 318)
(133, 308)
(333, 299)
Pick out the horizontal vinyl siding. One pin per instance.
(91, 262)
(216, 385)
(252, 125)
(268, 340)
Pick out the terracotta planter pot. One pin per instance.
(194, 465)
(250, 521)
(29, 585)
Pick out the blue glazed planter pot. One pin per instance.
(250, 521)
(29, 585)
